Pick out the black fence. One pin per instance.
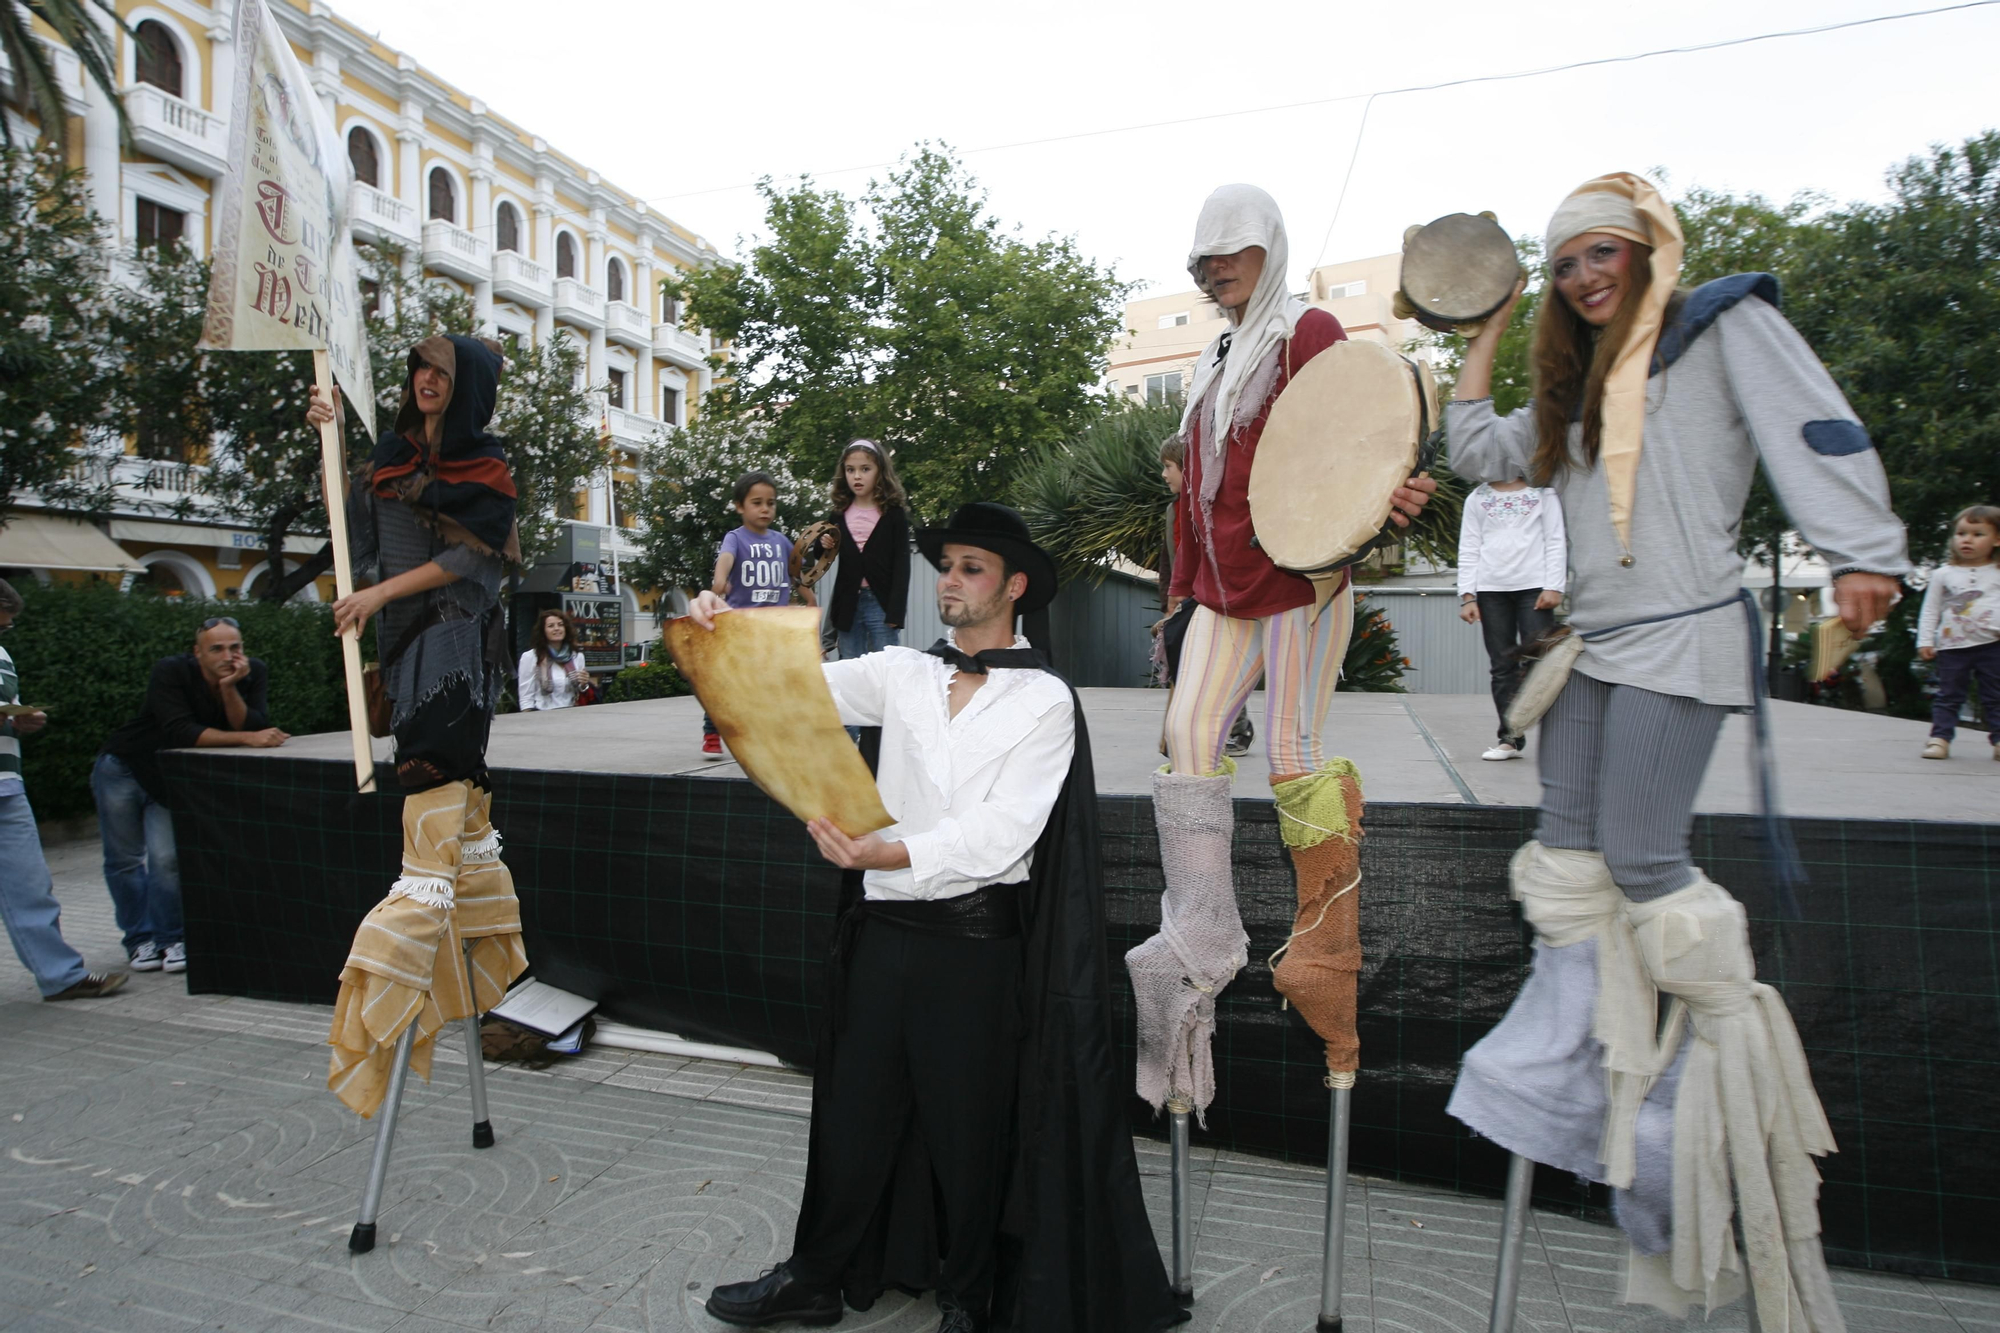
(697, 906)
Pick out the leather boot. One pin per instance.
(772, 1299)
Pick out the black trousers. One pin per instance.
(929, 1037)
(1509, 621)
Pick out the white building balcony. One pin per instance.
(579, 305)
(687, 350)
(455, 251)
(520, 279)
(629, 430)
(179, 132)
(376, 216)
(627, 324)
(68, 71)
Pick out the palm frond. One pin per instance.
(35, 85)
(1098, 496)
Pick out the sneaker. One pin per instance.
(711, 747)
(93, 987)
(1937, 747)
(175, 959)
(1240, 736)
(146, 957)
(1501, 751)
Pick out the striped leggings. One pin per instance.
(1299, 657)
(1620, 769)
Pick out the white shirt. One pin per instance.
(564, 681)
(1509, 541)
(10, 749)
(1961, 607)
(969, 794)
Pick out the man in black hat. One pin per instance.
(968, 1120)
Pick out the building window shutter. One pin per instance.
(565, 256)
(507, 229)
(444, 202)
(158, 56)
(362, 157)
(614, 281)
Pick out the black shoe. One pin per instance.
(95, 986)
(772, 1299)
(957, 1319)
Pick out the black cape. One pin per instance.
(1076, 1251)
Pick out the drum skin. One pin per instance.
(1458, 269)
(1340, 439)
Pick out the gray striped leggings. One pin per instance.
(1620, 769)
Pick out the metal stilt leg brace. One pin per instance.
(362, 1239)
(1333, 1271)
(1179, 1109)
(1513, 1238)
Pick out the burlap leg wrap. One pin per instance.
(1319, 816)
(1747, 1122)
(407, 964)
(1177, 974)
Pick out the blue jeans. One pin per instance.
(141, 867)
(871, 629)
(34, 918)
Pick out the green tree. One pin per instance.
(686, 489)
(33, 85)
(553, 442)
(912, 316)
(55, 334)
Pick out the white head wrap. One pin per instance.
(1226, 389)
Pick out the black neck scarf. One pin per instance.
(978, 664)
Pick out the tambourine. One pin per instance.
(810, 560)
(1348, 430)
(1457, 272)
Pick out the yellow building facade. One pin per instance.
(543, 244)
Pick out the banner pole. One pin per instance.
(333, 480)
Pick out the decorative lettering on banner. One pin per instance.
(285, 272)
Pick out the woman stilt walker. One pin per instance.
(1653, 408)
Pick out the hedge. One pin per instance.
(85, 652)
(654, 680)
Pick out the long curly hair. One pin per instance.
(888, 486)
(1569, 363)
(545, 664)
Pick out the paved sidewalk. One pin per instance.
(174, 1162)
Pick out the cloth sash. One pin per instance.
(989, 913)
(1747, 1123)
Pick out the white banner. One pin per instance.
(284, 264)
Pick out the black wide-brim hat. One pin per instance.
(996, 528)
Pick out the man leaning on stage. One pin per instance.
(212, 696)
(965, 1057)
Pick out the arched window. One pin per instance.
(614, 281)
(362, 157)
(158, 56)
(565, 255)
(444, 196)
(507, 228)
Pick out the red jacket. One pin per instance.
(1222, 570)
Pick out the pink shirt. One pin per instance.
(861, 521)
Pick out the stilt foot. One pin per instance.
(1184, 1297)
(362, 1238)
(1326, 1325)
(482, 1134)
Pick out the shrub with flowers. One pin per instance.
(1375, 662)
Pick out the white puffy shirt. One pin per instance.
(1509, 541)
(969, 794)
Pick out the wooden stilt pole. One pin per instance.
(333, 478)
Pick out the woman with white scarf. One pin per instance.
(1252, 619)
(1653, 408)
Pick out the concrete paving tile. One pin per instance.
(560, 1278)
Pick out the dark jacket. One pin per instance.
(885, 564)
(179, 707)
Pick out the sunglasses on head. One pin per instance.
(213, 621)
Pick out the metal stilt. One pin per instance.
(362, 1238)
(1183, 1270)
(1340, 1119)
(1513, 1235)
(475, 1059)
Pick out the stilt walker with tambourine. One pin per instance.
(430, 527)
(1654, 408)
(1275, 358)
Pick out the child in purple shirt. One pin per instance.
(753, 566)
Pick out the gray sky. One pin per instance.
(671, 101)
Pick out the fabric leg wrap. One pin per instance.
(407, 962)
(1201, 945)
(1747, 1122)
(1319, 816)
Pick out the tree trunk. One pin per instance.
(278, 587)
(316, 564)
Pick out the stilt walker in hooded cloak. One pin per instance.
(432, 523)
(1251, 619)
(1653, 409)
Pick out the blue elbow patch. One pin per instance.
(1835, 438)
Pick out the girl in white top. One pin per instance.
(1513, 563)
(552, 673)
(1959, 627)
